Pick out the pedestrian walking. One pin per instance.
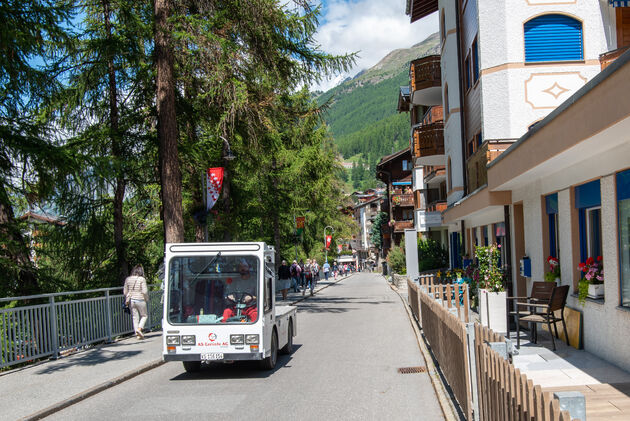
(315, 274)
(295, 276)
(136, 297)
(308, 276)
(284, 278)
(302, 275)
(326, 269)
(335, 269)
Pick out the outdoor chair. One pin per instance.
(541, 292)
(547, 315)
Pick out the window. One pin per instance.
(485, 235)
(551, 208)
(442, 26)
(405, 165)
(475, 61)
(446, 106)
(479, 139)
(467, 71)
(471, 147)
(450, 174)
(588, 203)
(553, 37)
(623, 208)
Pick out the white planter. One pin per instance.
(595, 291)
(492, 310)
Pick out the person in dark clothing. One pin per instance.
(284, 279)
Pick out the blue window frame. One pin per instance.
(456, 261)
(588, 204)
(551, 208)
(623, 209)
(553, 37)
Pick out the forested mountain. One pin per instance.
(362, 115)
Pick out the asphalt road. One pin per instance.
(352, 338)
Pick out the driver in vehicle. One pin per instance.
(241, 298)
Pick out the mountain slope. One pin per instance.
(362, 115)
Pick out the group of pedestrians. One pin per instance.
(300, 276)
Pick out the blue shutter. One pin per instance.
(588, 195)
(553, 38)
(623, 185)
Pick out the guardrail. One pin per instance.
(57, 324)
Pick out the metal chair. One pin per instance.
(541, 292)
(557, 302)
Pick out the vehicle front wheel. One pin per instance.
(269, 363)
(288, 348)
(192, 366)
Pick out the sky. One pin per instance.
(372, 28)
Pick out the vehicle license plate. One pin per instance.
(212, 356)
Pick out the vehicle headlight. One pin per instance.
(252, 339)
(237, 340)
(189, 340)
(172, 340)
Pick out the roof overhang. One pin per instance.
(476, 203)
(417, 9)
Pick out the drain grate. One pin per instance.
(411, 370)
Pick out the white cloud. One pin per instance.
(372, 28)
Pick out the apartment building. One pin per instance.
(536, 137)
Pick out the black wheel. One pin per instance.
(192, 366)
(269, 363)
(288, 348)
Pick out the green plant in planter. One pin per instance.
(490, 274)
(554, 273)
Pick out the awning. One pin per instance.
(401, 183)
(619, 3)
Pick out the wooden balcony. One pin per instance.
(476, 169)
(437, 206)
(607, 58)
(402, 200)
(428, 144)
(425, 75)
(400, 226)
(434, 174)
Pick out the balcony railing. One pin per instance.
(428, 140)
(606, 59)
(476, 165)
(437, 206)
(400, 226)
(433, 115)
(425, 73)
(402, 199)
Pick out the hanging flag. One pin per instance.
(339, 248)
(328, 240)
(299, 224)
(214, 181)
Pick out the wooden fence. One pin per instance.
(484, 380)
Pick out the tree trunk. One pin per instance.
(117, 154)
(275, 215)
(15, 251)
(170, 175)
(227, 235)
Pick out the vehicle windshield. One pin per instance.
(213, 289)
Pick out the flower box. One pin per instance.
(493, 310)
(595, 291)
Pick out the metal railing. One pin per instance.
(57, 324)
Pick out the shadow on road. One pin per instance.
(237, 370)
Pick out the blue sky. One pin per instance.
(372, 28)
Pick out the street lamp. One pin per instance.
(332, 231)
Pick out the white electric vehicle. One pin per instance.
(219, 305)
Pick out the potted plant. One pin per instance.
(592, 283)
(554, 273)
(492, 295)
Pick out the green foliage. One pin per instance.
(583, 290)
(490, 274)
(397, 261)
(431, 255)
(376, 234)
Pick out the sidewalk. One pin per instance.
(605, 386)
(38, 390)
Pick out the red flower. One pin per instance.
(599, 258)
(590, 261)
(582, 267)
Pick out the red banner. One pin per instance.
(339, 247)
(214, 181)
(328, 240)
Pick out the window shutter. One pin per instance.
(553, 38)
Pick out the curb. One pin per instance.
(91, 391)
(448, 409)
